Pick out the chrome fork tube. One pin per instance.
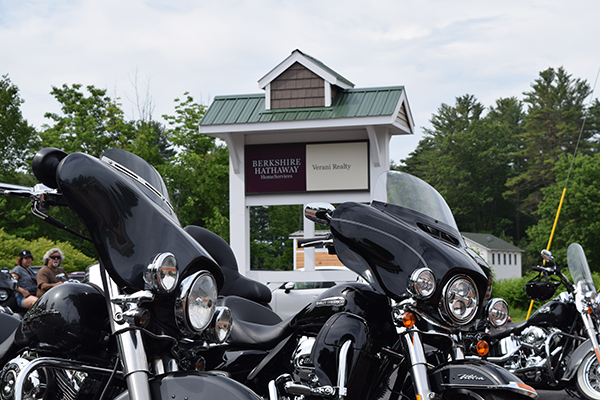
(131, 347)
(591, 331)
(418, 369)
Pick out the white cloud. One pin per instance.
(439, 50)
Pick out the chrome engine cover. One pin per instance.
(33, 387)
(534, 336)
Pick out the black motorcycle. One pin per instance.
(396, 336)
(137, 328)
(557, 347)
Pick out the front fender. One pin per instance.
(575, 359)
(477, 375)
(196, 385)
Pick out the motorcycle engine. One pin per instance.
(43, 383)
(534, 336)
(303, 364)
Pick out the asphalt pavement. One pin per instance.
(554, 395)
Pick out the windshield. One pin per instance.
(579, 268)
(408, 191)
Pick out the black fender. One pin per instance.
(476, 375)
(196, 385)
(576, 357)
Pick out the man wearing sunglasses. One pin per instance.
(48, 276)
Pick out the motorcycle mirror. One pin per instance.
(546, 255)
(319, 213)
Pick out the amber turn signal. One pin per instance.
(483, 348)
(409, 319)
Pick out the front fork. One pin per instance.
(130, 343)
(591, 331)
(411, 341)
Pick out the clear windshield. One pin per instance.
(579, 269)
(408, 191)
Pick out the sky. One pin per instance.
(153, 51)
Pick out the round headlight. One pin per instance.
(195, 306)
(422, 283)
(497, 312)
(460, 299)
(162, 273)
(4, 294)
(220, 326)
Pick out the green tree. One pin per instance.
(198, 175)
(90, 124)
(270, 230)
(466, 158)
(18, 139)
(578, 220)
(551, 128)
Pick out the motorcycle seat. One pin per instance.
(255, 326)
(235, 284)
(508, 329)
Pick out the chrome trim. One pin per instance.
(152, 275)
(182, 318)
(342, 367)
(52, 362)
(412, 283)
(126, 171)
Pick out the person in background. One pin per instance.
(47, 276)
(26, 291)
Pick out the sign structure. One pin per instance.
(300, 167)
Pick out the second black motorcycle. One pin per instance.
(557, 347)
(397, 335)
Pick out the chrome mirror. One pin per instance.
(319, 213)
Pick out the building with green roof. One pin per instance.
(503, 257)
(309, 136)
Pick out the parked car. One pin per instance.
(78, 276)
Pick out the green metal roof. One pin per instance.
(495, 244)
(349, 103)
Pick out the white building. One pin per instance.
(503, 257)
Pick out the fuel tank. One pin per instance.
(69, 317)
(558, 314)
(355, 298)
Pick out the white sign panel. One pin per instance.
(337, 166)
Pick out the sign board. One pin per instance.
(300, 167)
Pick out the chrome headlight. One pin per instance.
(4, 294)
(220, 326)
(497, 312)
(460, 299)
(195, 305)
(421, 283)
(162, 273)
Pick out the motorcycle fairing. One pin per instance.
(125, 222)
(396, 241)
(196, 385)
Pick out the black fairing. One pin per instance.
(127, 221)
(385, 243)
(69, 317)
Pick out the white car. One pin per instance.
(291, 297)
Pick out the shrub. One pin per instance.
(11, 245)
